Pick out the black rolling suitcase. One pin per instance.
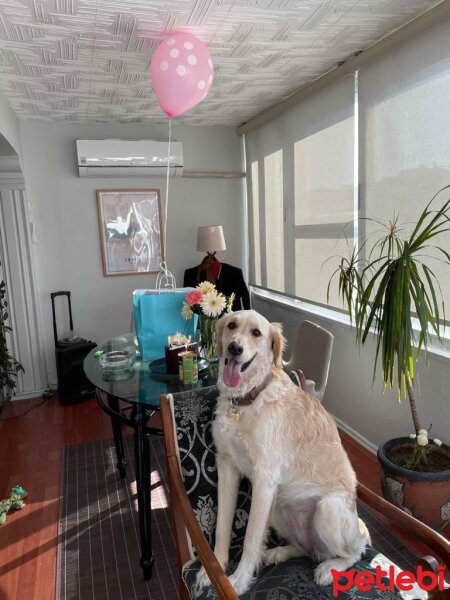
(73, 385)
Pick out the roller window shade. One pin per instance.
(301, 193)
(404, 110)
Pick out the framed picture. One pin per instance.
(130, 231)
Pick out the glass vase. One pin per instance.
(208, 338)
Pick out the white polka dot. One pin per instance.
(171, 42)
(164, 65)
(174, 53)
(210, 63)
(201, 84)
(188, 45)
(181, 70)
(192, 60)
(210, 79)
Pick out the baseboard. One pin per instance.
(28, 395)
(356, 435)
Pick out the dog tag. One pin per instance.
(234, 413)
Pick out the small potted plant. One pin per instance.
(389, 291)
(9, 366)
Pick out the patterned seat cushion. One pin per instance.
(194, 412)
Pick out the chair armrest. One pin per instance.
(168, 425)
(422, 532)
(183, 515)
(181, 540)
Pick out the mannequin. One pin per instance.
(225, 277)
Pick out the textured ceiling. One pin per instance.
(88, 60)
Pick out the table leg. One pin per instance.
(140, 416)
(113, 403)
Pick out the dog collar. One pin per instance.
(239, 401)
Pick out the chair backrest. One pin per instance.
(192, 480)
(312, 354)
(193, 415)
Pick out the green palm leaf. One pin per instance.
(384, 294)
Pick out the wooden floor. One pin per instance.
(30, 456)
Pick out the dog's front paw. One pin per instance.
(202, 579)
(241, 582)
(273, 556)
(322, 574)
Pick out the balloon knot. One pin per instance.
(170, 115)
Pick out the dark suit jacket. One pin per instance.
(230, 280)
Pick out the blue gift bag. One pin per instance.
(157, 314)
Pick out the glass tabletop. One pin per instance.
(137, 383)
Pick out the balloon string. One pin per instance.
(164, 263)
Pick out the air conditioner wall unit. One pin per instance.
(128, 158)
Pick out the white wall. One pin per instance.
(9, 125)
(373, 414)
(64, 208)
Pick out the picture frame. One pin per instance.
(131, 231)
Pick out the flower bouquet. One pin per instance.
(206, 302)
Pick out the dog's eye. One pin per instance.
(256, 332)
(232, 325)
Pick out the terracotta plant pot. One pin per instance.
(426, 496)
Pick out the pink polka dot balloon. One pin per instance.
(182, 73)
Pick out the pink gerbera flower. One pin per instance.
(194, 297)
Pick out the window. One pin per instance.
(405, 129)
(255, 212)
(273, 211)
(375, 149)
(323, 194)
(299, 218)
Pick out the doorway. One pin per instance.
(16, 268)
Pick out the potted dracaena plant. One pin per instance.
(389, 290)
(9, 366)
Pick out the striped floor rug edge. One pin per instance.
(98, 542)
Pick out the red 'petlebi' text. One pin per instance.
(403, 580)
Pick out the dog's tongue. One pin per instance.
(232, 373)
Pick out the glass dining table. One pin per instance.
(128, 390)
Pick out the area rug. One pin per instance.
(98, 549)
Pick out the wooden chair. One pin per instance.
(187, 421)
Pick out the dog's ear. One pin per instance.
(278, 344)
(219, 334)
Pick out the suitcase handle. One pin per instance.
(53, 296)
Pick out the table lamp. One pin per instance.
(210, 239)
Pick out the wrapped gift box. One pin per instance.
(172, 353)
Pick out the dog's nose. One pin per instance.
(235, 349)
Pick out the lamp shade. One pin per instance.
(210, 239)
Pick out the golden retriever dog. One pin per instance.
(269, 430)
